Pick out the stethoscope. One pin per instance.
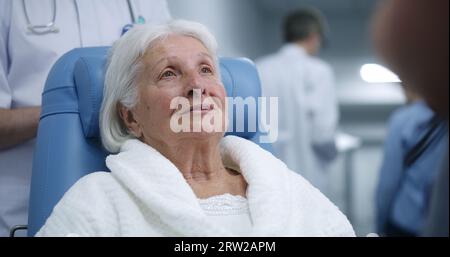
(51, 26)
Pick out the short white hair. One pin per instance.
(124, 65)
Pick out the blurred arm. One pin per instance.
(324, 113)
(18, 125)
(390, 172)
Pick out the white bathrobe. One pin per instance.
(146, 195)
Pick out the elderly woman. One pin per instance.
(168, 183)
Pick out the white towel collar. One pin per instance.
(157, 182)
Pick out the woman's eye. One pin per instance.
(167, 74)
(206, 70)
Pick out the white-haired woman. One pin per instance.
(190, 183)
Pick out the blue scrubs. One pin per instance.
(403, 192)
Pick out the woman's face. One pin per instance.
(178, 87)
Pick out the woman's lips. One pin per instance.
(203, 108)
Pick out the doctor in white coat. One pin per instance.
(308, 112)
(33, 35)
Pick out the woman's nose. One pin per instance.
(195, 91)
(195, 86)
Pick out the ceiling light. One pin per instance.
(375, 73)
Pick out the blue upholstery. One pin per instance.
(68, 145)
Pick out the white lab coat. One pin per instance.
(308, 112)
(25, 60)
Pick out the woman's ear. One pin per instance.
(128, 117)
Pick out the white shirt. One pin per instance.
(26, 59)
(308, 111)
(229, 211)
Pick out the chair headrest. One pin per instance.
(89, 79)
(239, 77)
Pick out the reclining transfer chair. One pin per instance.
(68, 146)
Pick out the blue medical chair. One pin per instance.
(68, 146)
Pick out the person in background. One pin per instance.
(413, 150)
(308, 110)
(28, 50)
(412, 37)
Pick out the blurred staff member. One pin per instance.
(412, 37)
(308, 111)
(33, 35)
(412, 153)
